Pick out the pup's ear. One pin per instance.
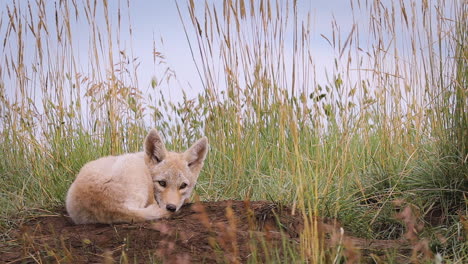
(154, 146)
(196, 154)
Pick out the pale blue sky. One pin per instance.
(397, 62)
(156, 20)
(160, 20)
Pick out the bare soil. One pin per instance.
(205, 232)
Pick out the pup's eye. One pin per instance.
(162, 183)
(183, 186)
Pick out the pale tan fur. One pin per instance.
(135, 187)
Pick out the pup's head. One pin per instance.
(174, 174)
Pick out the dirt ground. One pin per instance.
(206, 232)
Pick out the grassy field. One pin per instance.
(382, 146)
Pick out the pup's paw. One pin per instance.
(156, 212)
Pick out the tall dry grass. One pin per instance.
(389, 125)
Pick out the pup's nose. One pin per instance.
(171, 207)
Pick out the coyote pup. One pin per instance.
(136, 187)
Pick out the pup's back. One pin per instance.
(105, 188)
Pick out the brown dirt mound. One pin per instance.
(205, 232)
(200, 232)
